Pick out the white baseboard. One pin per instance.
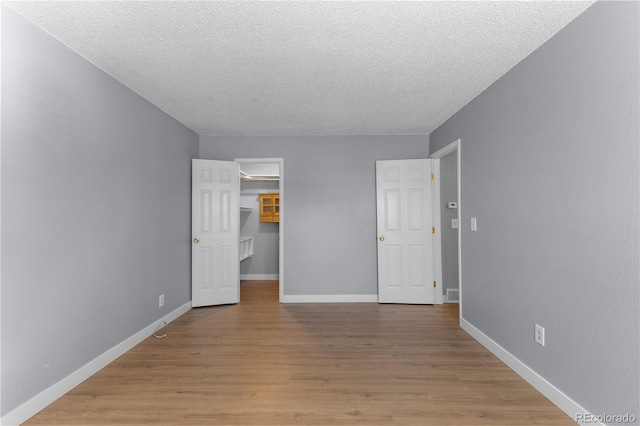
(259, 277)
(555, 395)
(330, 298)
(47, 396)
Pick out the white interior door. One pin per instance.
(215, 261)
(405, 236)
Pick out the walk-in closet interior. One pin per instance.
(259, 220)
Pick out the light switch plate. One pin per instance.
(454, 223)
(474, 224)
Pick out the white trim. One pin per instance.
(455, 146)
(281, 231)
(437, 238)
(458, 145)
(446, 150)
(259, 277)
(280, 275)
(330, 298)
(0, 226)
(555, 395)
(49, 395)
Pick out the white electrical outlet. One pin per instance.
(539, 335)
(161, 301)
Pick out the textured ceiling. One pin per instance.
(304, 68)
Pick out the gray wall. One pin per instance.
(329, 203)
(550, 160)
(449, 192)
(95, 211)
(266, 235)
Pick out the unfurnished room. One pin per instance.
(320, 212)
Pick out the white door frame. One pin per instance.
(437, 238)
(448, 149)
(279, 161)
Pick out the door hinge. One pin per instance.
(433, 176)
(434, 284)
(433, 229)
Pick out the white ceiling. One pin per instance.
(304, 67)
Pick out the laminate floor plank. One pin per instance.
(265, 363)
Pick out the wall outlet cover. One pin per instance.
(539, 334)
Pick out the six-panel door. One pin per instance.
(215, 233)
(404, 224)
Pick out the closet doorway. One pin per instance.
(262, 219)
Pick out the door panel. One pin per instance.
(416, 201)
(417, 266)
(405, 239)
(392, 210)
(215, 233)
(393, 265)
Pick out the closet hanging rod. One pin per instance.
(259, 179)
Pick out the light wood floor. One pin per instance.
(263, 363)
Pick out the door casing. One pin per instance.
(454, 146)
